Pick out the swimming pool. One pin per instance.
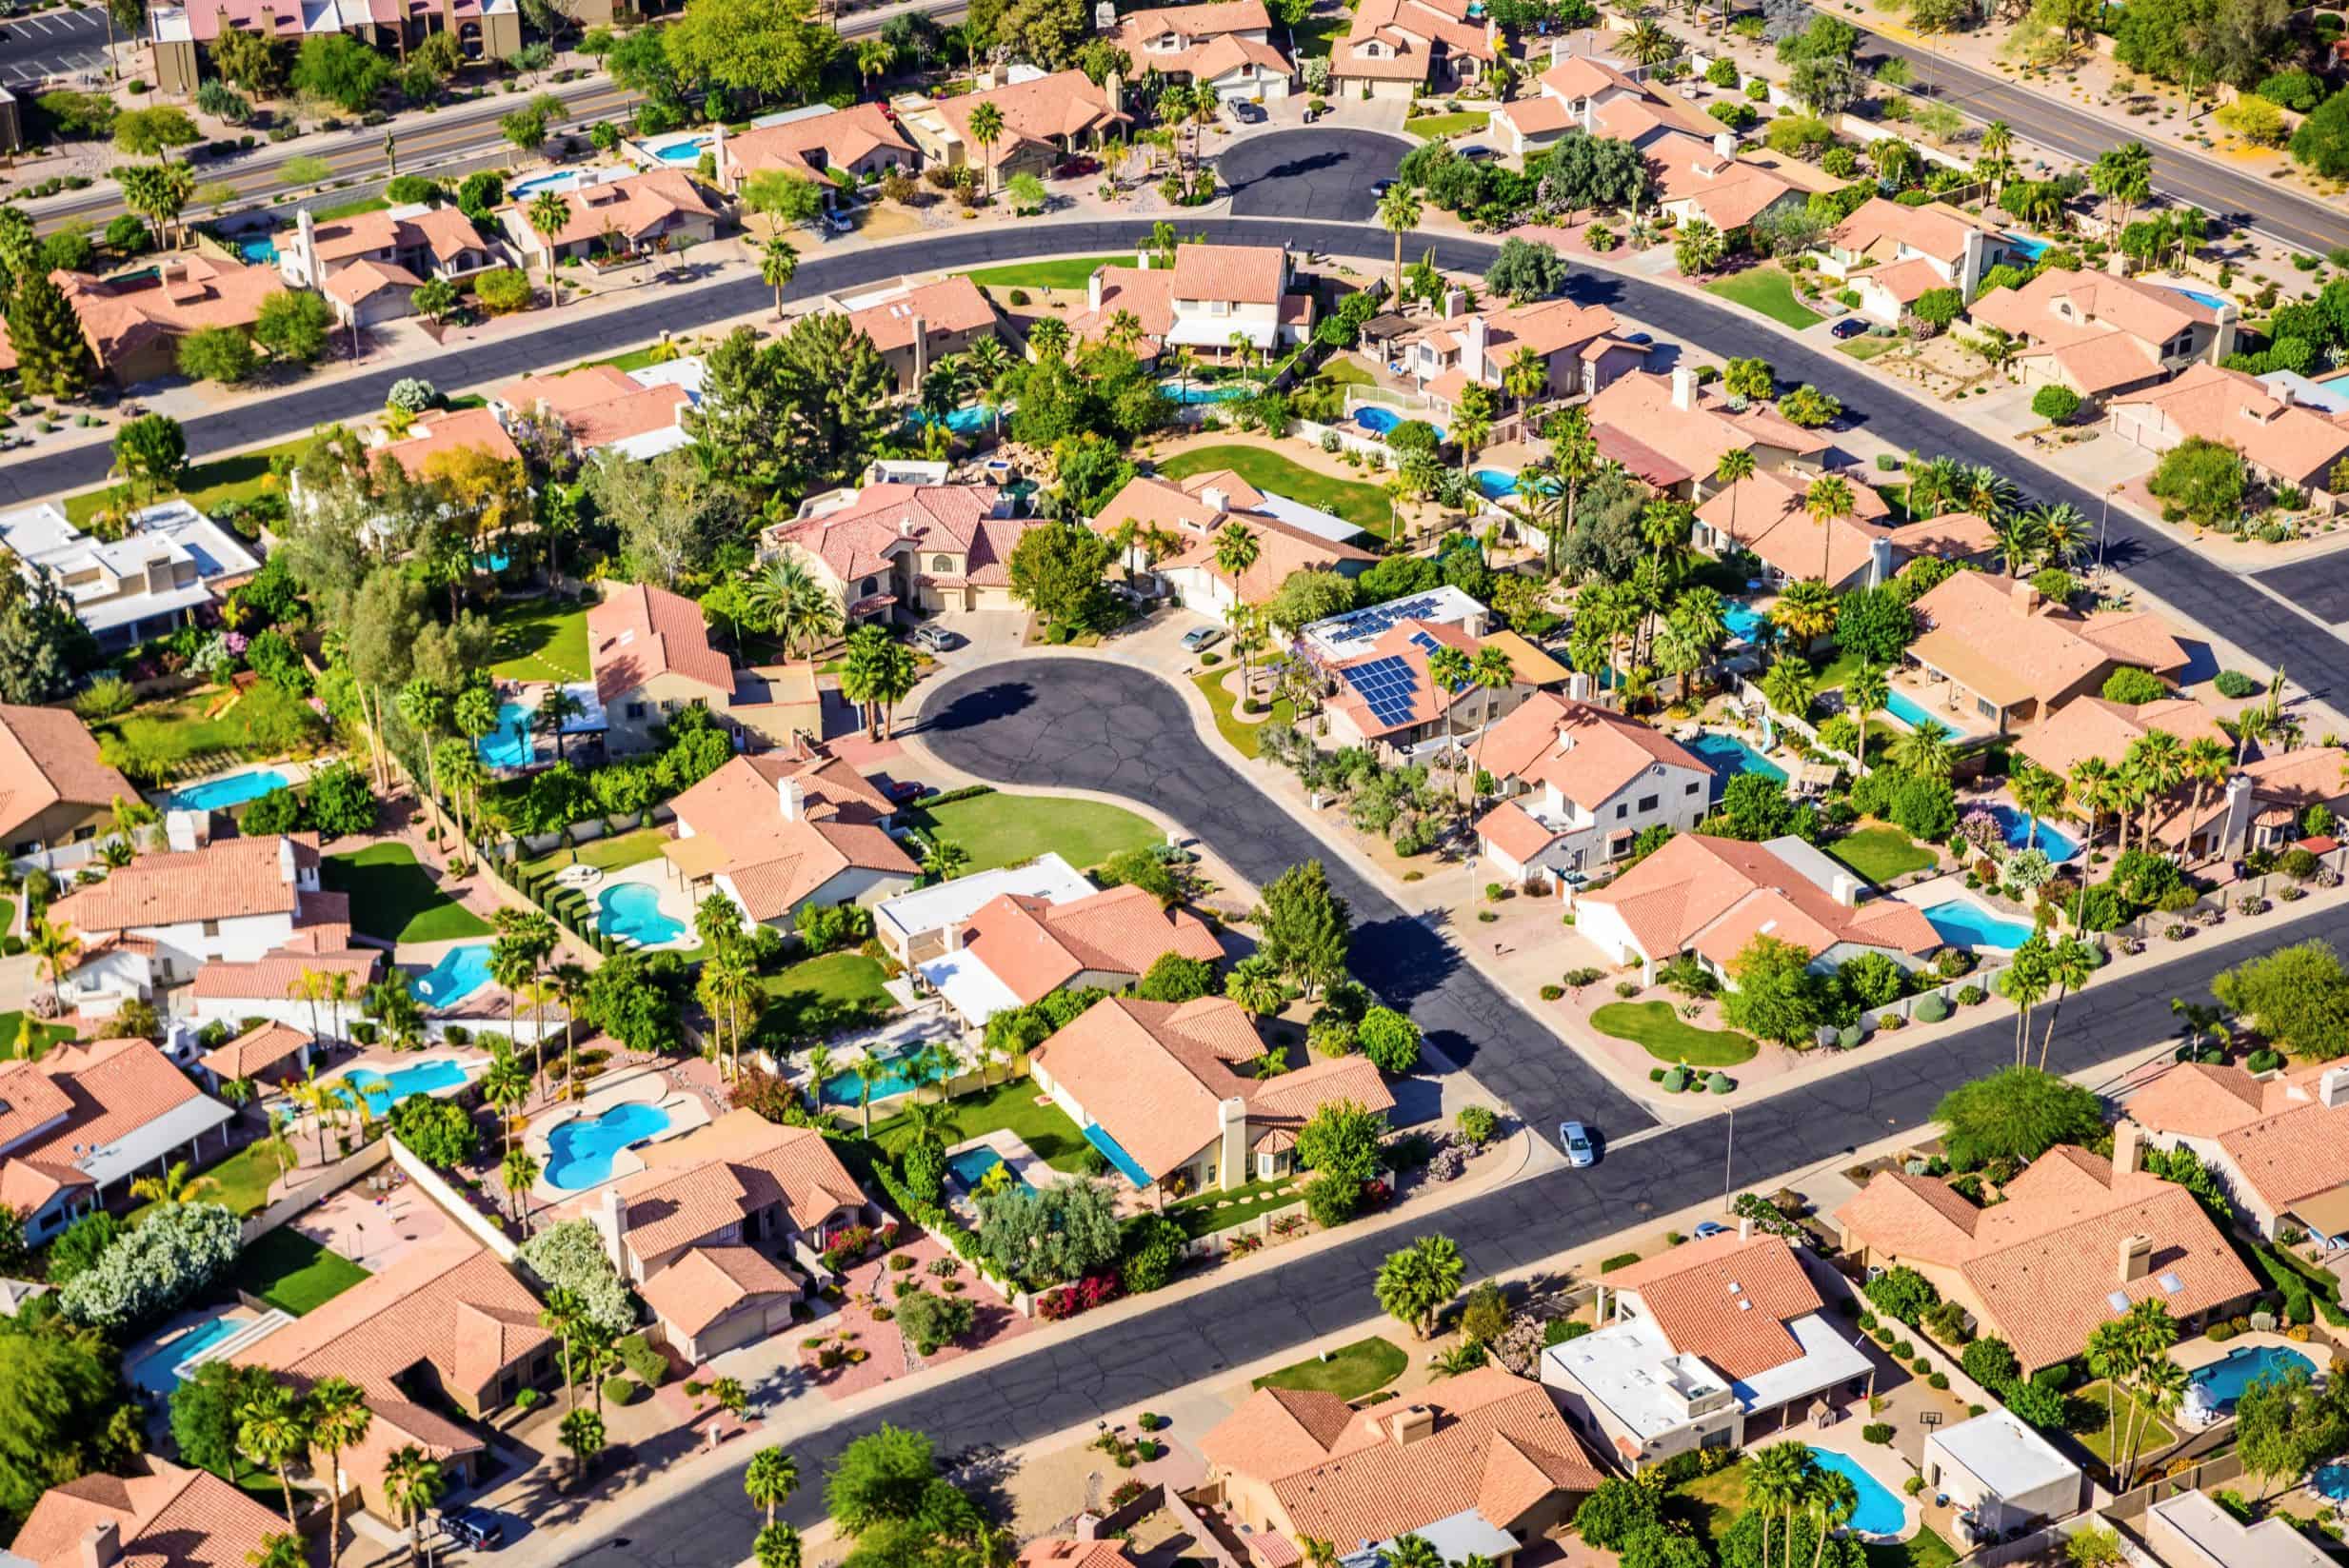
(2223, 1382)
(221, 793)
(510, 745)
(970, 1166)
(2332, 1480)
(561, 179)
(2336, 383)
(1492, 484)
(384, 1090)
(1962, 922)
(632, 912)
(579, 1153)
(158, 1370)
(1880, 1512)
(458, 974)
(2016, 825)
(962, 422)
(492, 561)
(1909, 710)
(1727, 754)
(258, 249)
(892, 1075)
(684, 152)
(2030, 246)
(2213, 301)
(1379, 421)
(1744, 621)
(1221, 392)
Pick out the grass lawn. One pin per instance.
(1341, 372)
(1349, 1371)
(612, 853)
(816, 996)
(1768, 291)
(538, 640)
(1243, 737)
(1670, 1038)
(1864, 349)
(1429, 127)
(205, 485)
(1923, 1550)
(1070, 272)
(1201, 1217)
(1045, 1128)
(294, 1273)
(393, 898)
(1314, 34)
(635, 359)
(265, 721)
(1881, 852)
(2105, 1441)
(1364, 506)
(350, 208)
(1000, 829)
(240, 1183)
(44, 1036)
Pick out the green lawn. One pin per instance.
(1429, 127)
(1068, 272)
(1349, 1371)
(2102, 1441)
(538, 640)
(1864, 349)
(174, 735)
(1881, 852)
(205, 485)
(294, 1273)
(1923, 1550)
(1669, 1037)
(612, 853)
(1364, 506)
(1244, 736)
(393, 898)
(1315, 34)
(1201, 1216)
(1013, 1103)
(1767, 291)
(815, 997)
(1000, 829)
(44, 1036)
(635, 359)
(240, 1183)
(1341, 372)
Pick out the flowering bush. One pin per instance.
(180, 1250)
(1980, 829)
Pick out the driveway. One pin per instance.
(1311, 172)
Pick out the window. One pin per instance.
(212, 927)
(1622, 811)
(872, 585)
(1647, 802)
(942, 563)
(1691, 788)
(636, 711)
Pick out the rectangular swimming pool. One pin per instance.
(1728, 754)
(1910, 711)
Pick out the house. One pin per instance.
(2263, 804)
(2007, 657)
(1224, 43)
(1578, 784)
(369, 266)
(776, 833)
(702, 1232)
(2281, 443)
(1581, 348)
(1598, 96)
(1388, 698)
(637, 415)
(1478, 1464)
(1046, 118)
(1767, 515)
(1395, 48)
(2102, 334)
(437, 434)
(1712, 897)
(917, 926)
(862, 140)
(2076, 1241)
(54, 788)
(78, 1125)
(1356, 633)
(1016, 949)
(2189, 1530)
(649, 650)
(1714, 1345)
(270, 987)
(2091, 727)
(1083, 1551)
(270, 1052)
(159, 1515)
(1289, 538)
(1153, 1085)
(914, 327)
(1890, 253)
(180, 38)
(133, 324)
(446, 1336)
(905, 538)
(654, 213)
(171, 562)
(1210, 294)
(234, 900)
(2002, 1478)
(1668, 425)
(2279, 1144)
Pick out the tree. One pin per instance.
(173, 1254)
(413, 1482)
(1415, 1284)
(150, 452)
(1618, 1510)
(1390, 1039)
(1777, 996)
(2055, 403)
(778, 266)
(776, 1546)
(2018, 1114)
(253, 61)
(1305, 597)
(771, 1480)
(987, 126)
(2298, 997)
(883, 1477)
(548, 214)
(292, 325)
(1525, 270)
(1049, 1237)
(1938, 307)
(270, 1432)
(438, 1131)
(336, 66)
(224, 354)
(2200, 481)
(157, 191)
(1340, 1144)
(1399, 214)
(1698, 249)
(1307, 928)
(878, 673)
(52, 357)
(2284, 1425)
(770, 48)
(204, 1415)
(583, 1434)
(153, 132)
(1825, 86)
(2322, 140)
(1173, 978)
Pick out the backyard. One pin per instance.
(1766, 292)
(822, 995)
(538, 640)
(1015, 1103)
(1364, 506)
(34, 1046)
(1670, 1038)
(2104, 1441)
(613, 854)
(209, 727)
(1879, 852)
(1245, 738)
(998, 829)
(1711, 1504)
(294, 1273)
(395, 898)
(1349, 1371)
(239, 1183)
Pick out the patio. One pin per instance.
(605, 1129)
(1917, 693)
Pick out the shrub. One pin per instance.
(503, 290)
(1622, 1260)
(621, 1389)
(175, 1255)
(1477, 1124)
(1877, 1432)
(2234, 684)
(1931, 1008)
(2055, 404)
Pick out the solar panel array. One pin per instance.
(1374, 619)
(1426, 644)
(1388, 685)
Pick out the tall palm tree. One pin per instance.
(414, 1482)
(1526, 376)
(771, 1480)
(339, 1419)
(272, 1433)
(570, 983)
(1490, 671)
(1775, 1478)
(2205, 760)
(1998, 145)
(779, 264)
(2039, 792)
(518, 1173)
(2156, 759)
(1866, 693)
(506, 1084)
(2070, 965)
(777, 1546)
(1449, 667)
(57, 944)
(1831, 1502)
(2025, 983)
(564, 1316)
(1236, 549)
(1736, 463)
(1828, 498)
(280, 1550)
(548, 214)
(1924, 750)
(874, 56)
(1399, 214)
(986, 124)
(2091, 779)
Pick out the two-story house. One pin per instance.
(1046, 118)
(369, 266)
(914, 326)
(233, 900)
(2103, 335)
(1389, 700)
(1892, 254)
(1194, 511)
(777, 833)
(2278, 1142)
(861, 140)
(1595, 94)
(80, 1124)
(649, 651)
(1578, 784)
(1396, 48)
(1580, 347)
(906, 540)
(171, 562)
(658, 211)
(1673, 433)
(1226, 44)
(1211, 294)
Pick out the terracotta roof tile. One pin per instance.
(708, 1283)
(165, 1517)
(639, 633)
(1727, 1300)
(47, 756)
(256, 1050)
(1035, 946)
(230, 880)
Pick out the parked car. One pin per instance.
(1075, 168)
(473, 1527)
(1380, 187)
(1850, 326)
(903, 790)
(1247, 113)
(1709, 1228)
(935, 638)
(1575, 1138)
(1476, 152)
(1202, 637)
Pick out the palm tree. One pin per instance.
(1411, 1551)
(1805, 611)
(57, 946)
(518, 1173)
(413, 1482)
(2155, 760)
(1399, 214)
(565, 1316)
(426, 708)
(986, 124)
(166, 1187)
(944, 860)
(1789, 685)
(2039, 792)
(771, 1480)
(1648, 44)
(819, 1069)
(2204, 761)
(779, 257)
(2251, 725)
(1998, 145)
(1048, 338)
(874, 56)
(1832, 1501)
(1736, 463)
(2069, 965)
(1864, 693)
(338, 1418)
(1828, 498)
(1236, 549)
(1449, 667)
(1490, 671)
(1526, 376)
(2092, 786)
(280, 1550)
(1924, 750)
(1775, 1481)
(272, 1433)
(2110, 1346)
(550, 213)
(2025, 984)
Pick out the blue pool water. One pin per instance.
(1962, 922)
(1379, 421)
(970, 1166)
(579, 1153)
(384, 1090)
(1492, 484)
(258, 249)
(510, 745)
(2060, 845)
(962, 422)
(632, 911)
(684, 152)
(2213, 301)
(460, 972)
(892, 1075)
(1879, 1512)
(492, 561)
(1221, 392)
(2224, 1382)
(157, 1370)
(1744, 621)
(2332, 1480)
(561, 179)
(1908, 710)
(2336, 383)
(220, 794)
(1727, 754)
(2030, 246)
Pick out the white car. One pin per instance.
(1575, 1139)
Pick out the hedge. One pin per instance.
(1622, 1260)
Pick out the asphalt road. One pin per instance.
(1009, 716)
(1325, 174)
(2319, 587)
(38, 45)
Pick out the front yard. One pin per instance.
(1670, 1038)
(1349, 1371)
(394, 899)
(206, 485)
(1767, 291)
(1016, 1104)
(1364, 506)
(1225, 1207)
(1068, 272)
(1244, 737)
(998, 829)
(822, 995)
(538, 640)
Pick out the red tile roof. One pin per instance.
(774, 861)
(164, 1518)
(1035, 946)
(639, 633)
(48, 757)
(1726, 1300)
(230, 880)
(1715, 895)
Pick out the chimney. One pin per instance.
(2128, 1147)
(1411, 1423)
(1092, 286)
(920, 352)
(717, 152)
(102, 1545)
(611, 1224)
(1726, 144)
(1845, 888)
(1088, 1525)
(306, 246)
(1472, 357)
(1217, 498)
(1558, 50)
(1683, 388)
(791, 797)
(1455, 301)
(1746, 1227)
(2025, 598)
(1113, 90)
(1232, 1125)
(285, 860)
(1879, 562)
(2332, 1088)
(2136, 1258)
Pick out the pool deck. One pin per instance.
(688, 1112)
(1880, 1460)
(2197, 1352)
(1024, 1162)
(1951, 884)
(1933, 696)
(148, 1364)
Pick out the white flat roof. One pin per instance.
(1631, 1369)
(141, 1147)
(1350, 635)
(1312, 519)
(1046, 876)
(2005, 1454)
(970, 986)
(1828, 1358)
(2218, 1540)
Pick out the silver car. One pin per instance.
(1575, 1139)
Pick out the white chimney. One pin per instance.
(717, 153)
(1113, 91)
(791, 797)
(611, 1222)
(1566, 742)
(284, 860)
(1845, 888)
(1746, 1227)
(1726, 143)
(2128, 1147)
(1092, 291)
(920, 352)
(1231, 1121)
(184, 829)
(306, 244)
(1683, 388)
(1218, 499)
(2332, 1088)
(1455, 301)
(1879, 562)
(1472, 358)
(1141, 257)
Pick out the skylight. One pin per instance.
(2172, 1283)
(2118, 1299)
